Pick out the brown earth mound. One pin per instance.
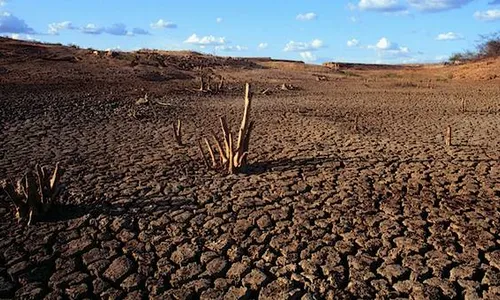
(351, 190)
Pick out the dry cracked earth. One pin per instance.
(329, 208)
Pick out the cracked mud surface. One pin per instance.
(325, 211)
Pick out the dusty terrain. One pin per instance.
(329, 207)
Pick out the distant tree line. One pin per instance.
(487, 47)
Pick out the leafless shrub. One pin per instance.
(35, 192)
(232, 158)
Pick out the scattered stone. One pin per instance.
(236, 293)
(216, 267)
(184, 254)
(280, 288)
(494, 258)
(392, 272)
(255, 279)
(132, 282)
(119, 268)
(237, 270)
(264, 222)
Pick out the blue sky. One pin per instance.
(369, 31)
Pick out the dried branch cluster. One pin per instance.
(35, 193)
(231, 158)
(178, 132)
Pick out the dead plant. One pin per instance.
(178, 132)
(232, 159)
(35, 193)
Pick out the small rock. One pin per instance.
(237, 270)
(183, 254)
(216, 267)
(119, 268)
(494, 258)
(264, 222)
(278, 289)
(392, 272)
(236, 293)
(77, 246)
(132, 282)
(255, 279)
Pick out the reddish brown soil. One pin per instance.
(327, 208)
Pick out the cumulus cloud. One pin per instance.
(303, 47)
(388, 49)
(208, 40)
(219, 20)
(489, 15)
(449, 36)
(262, 46)
(54, 28)
(308, 56)
(352, 43)
(437, 5)
(226, 48)
(12, 24)
(162, 24)
(3, 2)
(117, 29)
(381, 5)
(307, 16)
(92, 29)
(139, 31)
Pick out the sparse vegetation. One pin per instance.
(178, 132)
(35, 192)
(231, 159)
(487, 47)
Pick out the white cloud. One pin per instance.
(384, 44)
(388, 49)
(3, 2)
(231, 48)
(307, 16)
(353, 19)
(303, 47)
(209, 40)
(139, 31)
(489, 15)
(26, 37)
(219, 20)
(54, 28)
(262, 46)
(308, 56)
(117, 48)
(449, 36)
(381, 5)
(12, 24)
(437, 5)
(352, 43)
(117, 29)
(161, 24)
(351, 6)
(92, 29)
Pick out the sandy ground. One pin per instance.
(329, 208)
